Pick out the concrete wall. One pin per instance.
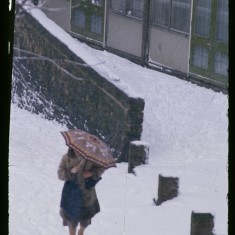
(92, 103)
(124, 34)
(169, 48)
(62, 15)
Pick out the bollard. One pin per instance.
(167, 189)
(202, 223)
(138, 154)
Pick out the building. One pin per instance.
(185, 37)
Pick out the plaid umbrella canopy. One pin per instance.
(90, 147)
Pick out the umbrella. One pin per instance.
(90, 147)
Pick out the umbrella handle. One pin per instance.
(78, 168)
(80, 164)
(83, 160)
(79, 174)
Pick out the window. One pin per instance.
(161, 12)
(221, 64)
(87, 19)
(200, 57)
(222, 21)
(172, 14)
(79, 19)
(180, 16)
(209, 46)
(96, 24)
(118, 5)
(203, 18)
(132, 8)
(97, 2)
(136, 8)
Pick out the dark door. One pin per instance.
(209, 42)
(87, 19)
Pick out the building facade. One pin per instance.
(186, 37)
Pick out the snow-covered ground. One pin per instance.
(186, 128)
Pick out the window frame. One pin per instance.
(169, 26)
(213, 46)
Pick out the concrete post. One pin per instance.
(202, 223)
(167, 189)
(138, 154)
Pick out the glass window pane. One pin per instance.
(118, 5)
(161, 12)
(136, 8)
(203, 17)
(221, 64)
(79, 18)
(96, 24)
(180, 15)
(222, 20)
(97, 2)
(200, 57)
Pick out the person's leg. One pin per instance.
(83, 224)
(81, 230)
(72, 230)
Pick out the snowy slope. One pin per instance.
(186, 128)
(36, 147)
(198, 157)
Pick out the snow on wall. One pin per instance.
(90, 100)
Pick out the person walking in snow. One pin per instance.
(79, 202)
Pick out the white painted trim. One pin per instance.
(190, 35)
(70, 15)
(104, 33)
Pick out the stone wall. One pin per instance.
(93, 103)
